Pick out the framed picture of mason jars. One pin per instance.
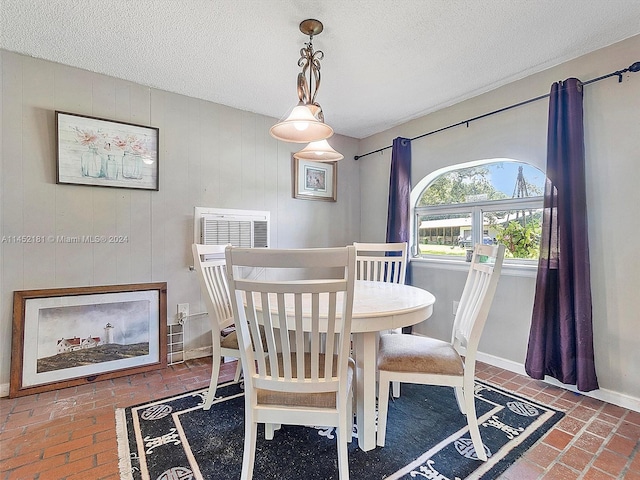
(99, 152)
(66, 337)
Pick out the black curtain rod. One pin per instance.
(632, 68)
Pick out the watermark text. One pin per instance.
(34, 239)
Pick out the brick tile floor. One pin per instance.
(70, 434)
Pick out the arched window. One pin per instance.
(489, 201)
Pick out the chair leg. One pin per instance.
(396, 389)
(342, 439)
(383, 404)
(236, 377)
(349, 419)
(396, 385)
(213, 384)
(472, 419)
(249, 455)
(460, 399)
(270, 429)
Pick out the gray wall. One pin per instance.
(612, 141)
(215, 156)
(210, 156)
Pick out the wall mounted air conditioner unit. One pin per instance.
(240, 228)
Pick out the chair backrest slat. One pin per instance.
(282, 323)
(381, 262)
(477, 295)
(210, 264)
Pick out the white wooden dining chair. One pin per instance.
(425, 360)
(382, 262)
(289, 378)
(210, 264)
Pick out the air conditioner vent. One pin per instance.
(261, 233)
(240, 228)
(222, 232)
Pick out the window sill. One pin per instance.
(509, 267)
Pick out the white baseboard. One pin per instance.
(4, 389)
(621, 399)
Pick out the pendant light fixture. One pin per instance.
(306, 121)
(319, 151)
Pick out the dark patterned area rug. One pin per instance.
(427, 437)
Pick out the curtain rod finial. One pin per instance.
(635, 67)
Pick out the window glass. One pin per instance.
(443, 234)
(519, 231)
(493, 202)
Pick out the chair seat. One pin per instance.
(412, 353)
(230, 341)
(295, 399)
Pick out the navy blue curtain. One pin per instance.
(398, 214)
(561, 335)
(399, 191)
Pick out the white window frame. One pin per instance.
(514, 266)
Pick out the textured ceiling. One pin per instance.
(386, 61)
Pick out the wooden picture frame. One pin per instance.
(104, 153)
(66, 337)
(315, 180)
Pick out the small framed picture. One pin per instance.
(103, 153)
(72, 336)
(315, 180)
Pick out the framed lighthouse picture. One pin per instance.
(67, 337)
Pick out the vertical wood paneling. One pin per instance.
(251, 184)
(196, 132)
(38, 171)
(177, 115)
(209, 174)
(140, 104)
(5, 327)
(259, 167)
(12, 153)
(270, 172)
(104, 255)
(136, 226)
(133, 206)
(158, 112)
(230, 160)
(73, 90)
(204, 176)
(11, 195)
(210, 155)
(103, 97)
(124, 260)
(74, 218)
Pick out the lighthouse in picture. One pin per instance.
(108, 329)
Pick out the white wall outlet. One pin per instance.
(455, 306)
(183, 311)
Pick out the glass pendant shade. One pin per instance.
(301, 126)
(319, 151)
